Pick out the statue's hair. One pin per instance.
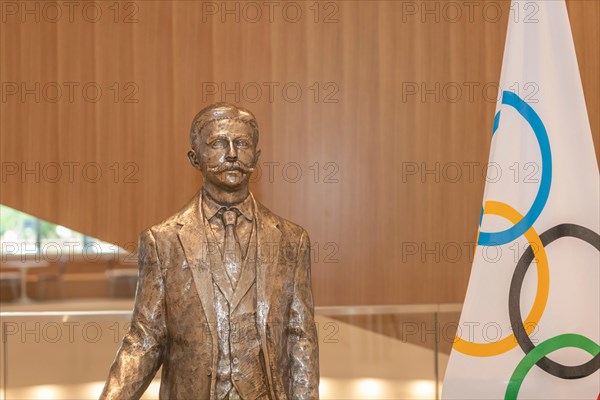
(218, 112)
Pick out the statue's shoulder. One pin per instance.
(292, 230)
(170, 225)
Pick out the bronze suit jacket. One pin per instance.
(174, 320)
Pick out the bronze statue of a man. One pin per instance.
(224, 301)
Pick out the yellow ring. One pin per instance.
(541, 297)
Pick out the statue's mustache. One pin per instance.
(228, 166)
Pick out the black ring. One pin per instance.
(514, 302)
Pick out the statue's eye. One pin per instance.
(242, 143)
(219, 144)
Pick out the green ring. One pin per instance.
(540, 351)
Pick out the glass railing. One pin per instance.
(379, 352)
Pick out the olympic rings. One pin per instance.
(523, 225)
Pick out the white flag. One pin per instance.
(530, 325)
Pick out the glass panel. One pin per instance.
(388, 352)
(21, 233)
(60, 355)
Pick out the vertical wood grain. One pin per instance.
(351, 124)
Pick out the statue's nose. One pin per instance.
(231, 152)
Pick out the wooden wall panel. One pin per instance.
(352, 133)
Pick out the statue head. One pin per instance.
(224, 140)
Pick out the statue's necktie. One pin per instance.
(232, 252)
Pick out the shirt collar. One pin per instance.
(210, 207)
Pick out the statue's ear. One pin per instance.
(193, 159)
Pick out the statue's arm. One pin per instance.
(140, 354)
(302, 339)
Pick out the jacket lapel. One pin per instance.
(196, 248)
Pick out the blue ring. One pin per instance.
(529, 114)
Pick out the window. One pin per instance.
(24, 234)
